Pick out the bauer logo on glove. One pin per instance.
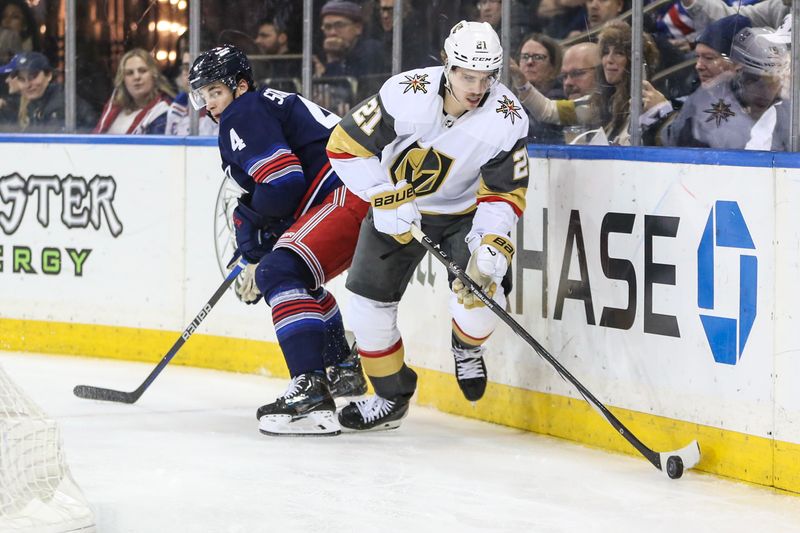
(392, 199)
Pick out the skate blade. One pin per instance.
(316, 424)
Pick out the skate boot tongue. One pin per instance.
(470, 372)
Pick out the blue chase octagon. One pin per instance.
(726, 228)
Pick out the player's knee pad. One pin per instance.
(281, 270)
(478, 322)
(374, 323)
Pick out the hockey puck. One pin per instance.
(674, 467)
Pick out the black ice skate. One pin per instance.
(306, 408)
(346, 378)
(470, 372)
(374, 413)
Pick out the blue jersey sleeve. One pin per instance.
(253, 144)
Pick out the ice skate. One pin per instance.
(305, 409)
(470, 372)
(346, 378)
(374, 414)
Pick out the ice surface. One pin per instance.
(187, 457)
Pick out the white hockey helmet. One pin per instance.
(757, 52)
(473, 45)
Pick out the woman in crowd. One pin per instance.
(140, 100)
(17, 17)
(539, 64)
(609, 107)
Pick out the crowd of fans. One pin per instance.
(714, 75)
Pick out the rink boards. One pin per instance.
(664, 280)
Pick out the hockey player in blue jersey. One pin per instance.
(296, 225)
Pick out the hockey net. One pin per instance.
(37, 492)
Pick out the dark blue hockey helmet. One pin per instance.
(226, 64)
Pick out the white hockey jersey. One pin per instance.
(452, 162)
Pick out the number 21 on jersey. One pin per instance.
(368, 115)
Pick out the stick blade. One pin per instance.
(687, 457)
(108, 395)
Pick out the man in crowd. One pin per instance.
(579, 70)
(346, 51)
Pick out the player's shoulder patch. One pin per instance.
(510, 108)
(415, 82)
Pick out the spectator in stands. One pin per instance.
(41, 100)
(713, 48)
(609, 107)
(415, 54)
(272, 40)
(9, 103)
(722, 114)
(16, 16)
(766, 13)
(140, 100)
(345, 51)
(579, 70)
(490, 11)
(539, 64)
(10, 44)
(178, 118)
(560, 17)
(595, 13)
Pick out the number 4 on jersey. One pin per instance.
(237, 143)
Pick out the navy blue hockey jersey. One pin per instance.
(273, 144)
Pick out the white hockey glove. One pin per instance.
(245, 287)
(394, 210)
(487, 266)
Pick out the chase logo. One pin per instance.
(726, 228)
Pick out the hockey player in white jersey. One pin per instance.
(442, 148)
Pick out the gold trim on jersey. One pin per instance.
(515, 197)
(424, 168)
(341, 142)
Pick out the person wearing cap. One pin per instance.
(713, 48)
(346, 52)
(41, 100)
(141, 98)
(722, 112)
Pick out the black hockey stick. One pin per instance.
(111, 395)
(673, 463)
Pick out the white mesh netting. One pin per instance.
(37, 492)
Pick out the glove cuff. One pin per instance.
(500, 243)
(394, 198)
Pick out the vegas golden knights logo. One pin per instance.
(424, 168)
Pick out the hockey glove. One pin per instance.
(245, 287)
(487, 266)
(394, 210)
(253, 240)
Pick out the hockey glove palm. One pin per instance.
(487, 266)
(394, 210)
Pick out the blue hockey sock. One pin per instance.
(336, 348)
(300, 327)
